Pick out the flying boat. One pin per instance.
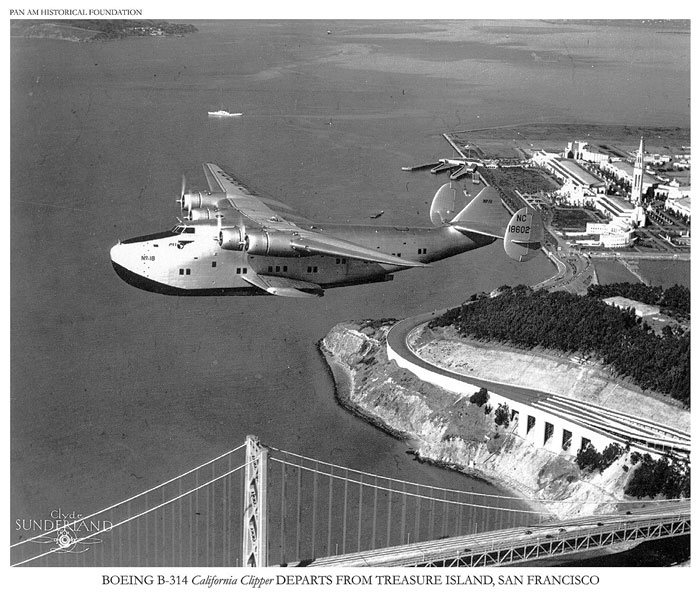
(232, 241)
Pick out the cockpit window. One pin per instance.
(189, 230)
(178, 229)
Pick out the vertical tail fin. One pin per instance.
(444, 205)
(484, 214)
(524, 235)
(485, 208)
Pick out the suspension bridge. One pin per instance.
(263, 506)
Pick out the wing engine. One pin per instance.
(299, 243)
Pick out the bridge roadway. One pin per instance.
(525, 544)
(621, 427)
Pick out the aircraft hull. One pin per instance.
(168, 264)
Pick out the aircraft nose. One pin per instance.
(116, 254)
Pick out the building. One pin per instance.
(673, 190)
(583, 150)
(624, 171)
(615, 234)
(570, 170)
(639, 216)
(614, 207)
(573, 194)
(640, 309)
(679, 206)
(577, 182)
(638, 175)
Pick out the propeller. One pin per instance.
(218, 217)
(241, 227)
(181, 200)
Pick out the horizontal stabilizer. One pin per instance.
(485, 228)
(329, 245)
(287, 287)
(524, 235)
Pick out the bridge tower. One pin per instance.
(255, 507)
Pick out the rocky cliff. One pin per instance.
(449, 430)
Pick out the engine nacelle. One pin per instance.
(196, 199)
(232, 239)
(201, 213)
(271, 242)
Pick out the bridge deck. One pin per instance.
(523, 544)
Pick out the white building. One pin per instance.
(576, 195)
(680, 206)
(583, 150)
(624, 171)
(617, 233)
(640, 309)
(614, 207)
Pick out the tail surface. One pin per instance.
(522, 233)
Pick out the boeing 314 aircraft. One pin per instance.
(233, 242)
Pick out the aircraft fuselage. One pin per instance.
(190, 261)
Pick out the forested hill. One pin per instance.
(581, 324)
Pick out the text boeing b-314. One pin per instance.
(236, 243)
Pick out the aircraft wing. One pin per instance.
(273, 215)
(322, 244)
(279, 286)
(222, 182)
(266, 212)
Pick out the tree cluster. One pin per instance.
(479, 398)
(589, 459)
(502, 415)
(582, 324)
(665, 477)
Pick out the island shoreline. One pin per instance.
(343, 388)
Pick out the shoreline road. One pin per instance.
(607, 424)
(397, 340)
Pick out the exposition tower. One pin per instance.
(639, 216)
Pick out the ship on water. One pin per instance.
(223, 112)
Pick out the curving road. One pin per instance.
(619, 426)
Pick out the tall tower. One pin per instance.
(639, 216)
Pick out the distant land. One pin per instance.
(660, 25)
(555, 135)
(97, 30)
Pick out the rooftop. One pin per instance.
(641, 309)
(579, 174)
